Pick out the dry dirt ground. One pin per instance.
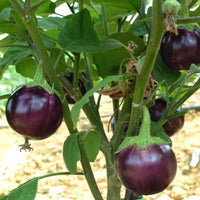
(18, 167)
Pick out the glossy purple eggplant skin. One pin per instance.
(171, 126)
(182, 50)
(33, 112)
(146, 171)
(81, 86)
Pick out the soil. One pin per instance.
(18, 167)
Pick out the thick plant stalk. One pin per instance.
(150, 57)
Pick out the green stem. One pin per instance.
(188, 20)
(76, 69)
(120, 24)
(15, 45)
(150, 57)
(38, 4)
(60, 174)
(190, 92)
(5, 96)
(143, 6)
(113, 182)
(88, 72)
(81, 4)
(89, 174)
(115, 103)
(89, 82)
(71, 7)
(58, 59)
(192, 3)
(27, 5)
(104, 19)
(121, 124)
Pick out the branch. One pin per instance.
(188, 20)
(37, 5)
(150, 57)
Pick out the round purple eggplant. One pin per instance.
(33, 112)
(182, 50)
(171, 126)
(146, 171)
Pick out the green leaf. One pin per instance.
(61, 64)
(25, 191)
(92, 143)
(5, 13)
(78, 105)
(161, 133)
(127, 4)
(78, 34)
(26, 68)
(71, 153)
(49, 23)
(47, 42)
(9, 27)
(194, 68)
(108, 44)
(45, 8)
(162, 72)
(108, 62)
(4, 4)
(128, 141)
(13, 56)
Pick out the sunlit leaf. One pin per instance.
(25, 191)
(92, 141)
(26, 68)
(71, 153)
(78, 34)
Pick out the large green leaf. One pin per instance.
(9, 27)
(4, 4)
(4, 42)
(108, 62)
(5, 13)
(92, 142)
(27, 68)
(71, 153)
(25, 191)
(49, 23)
(45, 8)
(47, 42)
(127, 4)
(108, 44)
(13, 56)
(78, 34)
